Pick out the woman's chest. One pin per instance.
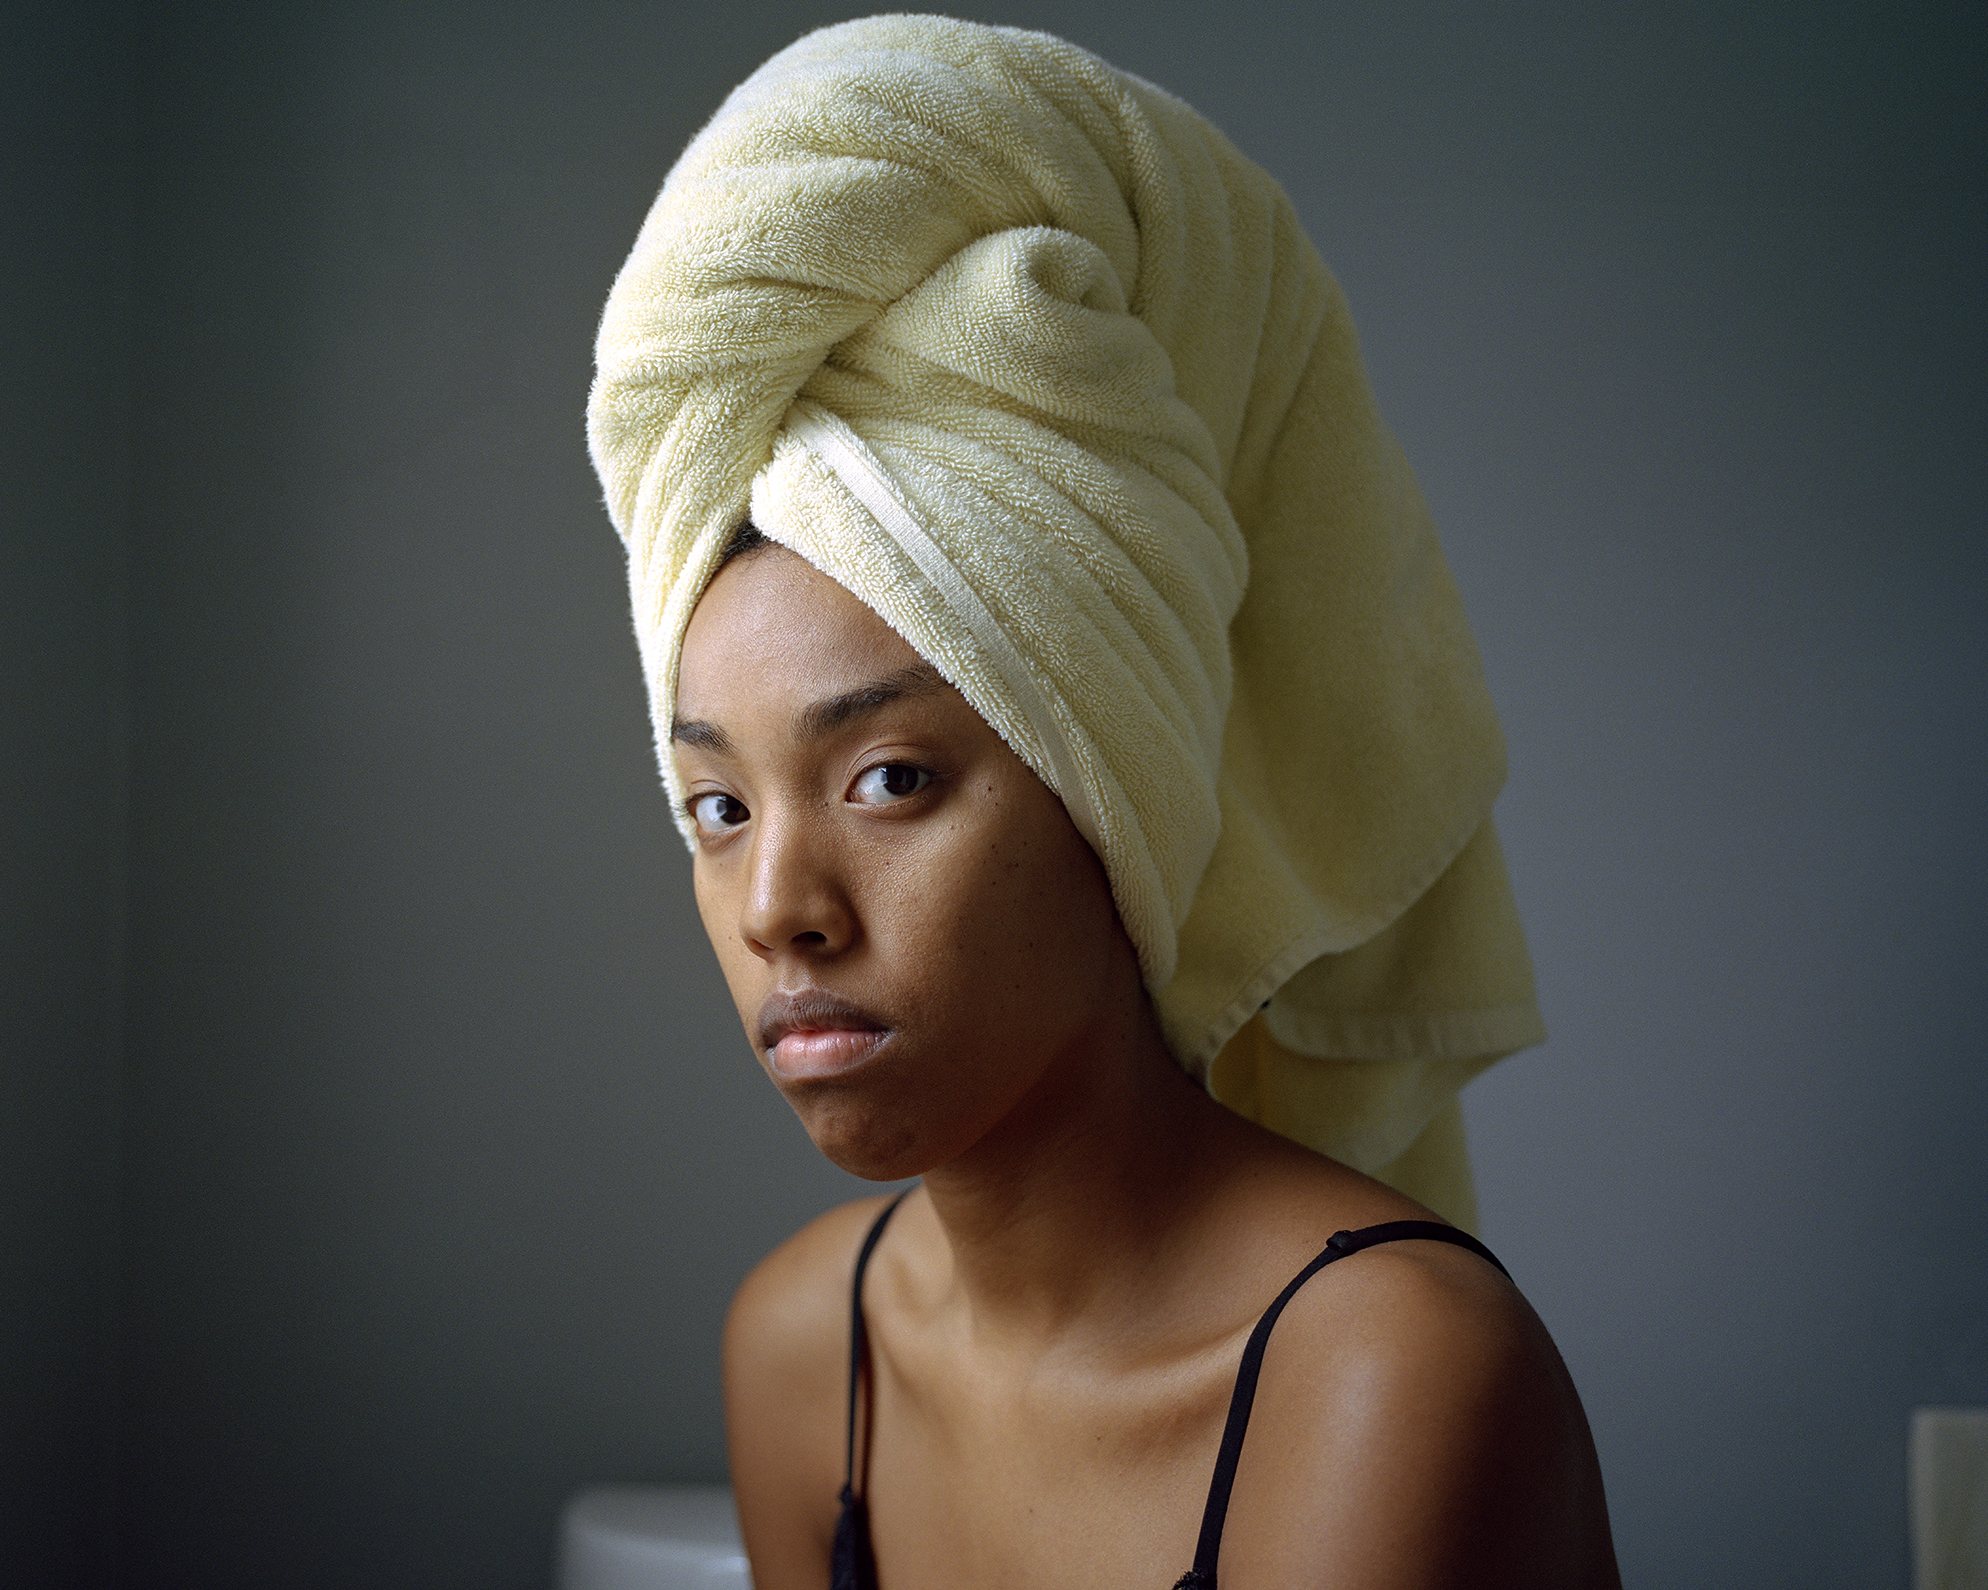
(1060, 1475)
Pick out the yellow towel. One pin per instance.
(1024, 353)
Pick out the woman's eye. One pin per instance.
(890, 782)
(715, 813)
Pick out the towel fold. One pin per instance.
(1020, 350)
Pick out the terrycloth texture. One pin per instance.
(1449, 978)
(1362, 1054)
(1434, 1170)
(1021, 351)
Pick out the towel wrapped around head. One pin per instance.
(1024, 353)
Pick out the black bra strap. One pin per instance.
(859, 1335)
(1209, 1547)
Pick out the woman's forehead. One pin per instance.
(773, 632)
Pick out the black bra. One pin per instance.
(854, 1567)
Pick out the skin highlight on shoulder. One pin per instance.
(1414, 1404)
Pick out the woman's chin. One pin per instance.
(864, 1140)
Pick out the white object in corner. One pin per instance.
(1948, 1475)
(652, 1537)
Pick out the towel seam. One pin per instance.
(864, 476)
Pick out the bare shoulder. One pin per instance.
(797, 1297)
(1422, 1307)
(1416, 1425)
(786, 1362)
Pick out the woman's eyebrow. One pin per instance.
(822, 717)
(705, 736)
(825, 717)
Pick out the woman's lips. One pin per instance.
(827, 1052)
(812, 1034)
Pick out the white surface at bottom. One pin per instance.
(1949, 1484)
(652, 1537)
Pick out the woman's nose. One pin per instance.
(794, 900)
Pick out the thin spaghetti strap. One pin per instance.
(859, 1334)
(1202, 1575)
(851, 1563)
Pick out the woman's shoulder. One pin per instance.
(1420, 1317)
(792, 1309)
(1412, 1406)
(786, 1368)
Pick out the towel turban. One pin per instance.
(1024, 353)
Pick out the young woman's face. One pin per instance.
(916, 936)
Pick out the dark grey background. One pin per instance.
(377, 1148)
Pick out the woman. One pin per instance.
(1069, 712)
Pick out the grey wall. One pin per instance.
(65, 178)
(441, 1152)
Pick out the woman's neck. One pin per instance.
(1068, 1215)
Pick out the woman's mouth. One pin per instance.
(812, 1034)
